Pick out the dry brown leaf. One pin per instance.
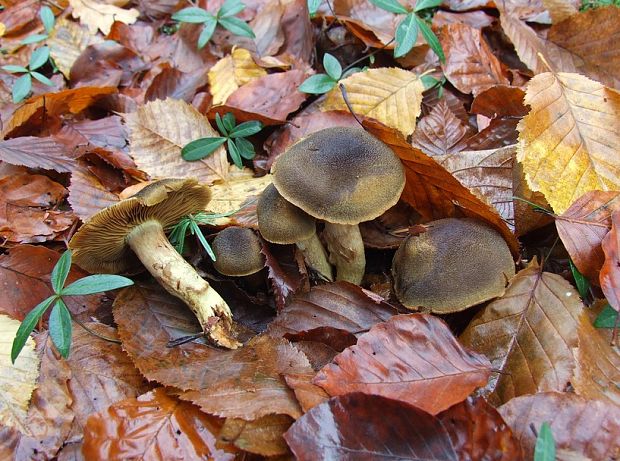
(368, 17)
(500, 101)
(172, 83)
(67, 41)
(559, 10)
(568, 143)
(33, 152)
(439, 132)
(528, 334)
(158, 132)
(18, 380)
(487, 173)
(470, 65)
(610, 272)
(526, 218)
(231, 72)
(262, 436)
(390, 95)
(87, 195)
(99, 15)
(588, 427)
(267, 26)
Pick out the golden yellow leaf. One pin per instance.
(67, 41)
(17, 382)
(390, 95)
(569, 142)
(101, 16)
(2, 29)
(158, 132)
(231, 72)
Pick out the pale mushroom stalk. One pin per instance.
(150, 244)
(316, 256)
(346, 251)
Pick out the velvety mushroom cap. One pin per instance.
(342, 175)
(238, 252)
(279, 221)
(456, 264)
(100, 246)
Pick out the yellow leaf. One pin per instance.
(158, 132)
(101, 16)
(569, 142)
(17, 382)
(390, 95)
(67, 41)
(231, 72)
(2, 29)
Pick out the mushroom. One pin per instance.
(237, 252)
(279, 221)
(130, 232)
(455, 264)
(342, 175)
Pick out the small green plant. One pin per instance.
(225, 17)
(191, 223)
(544, 450)
(60, 318)
(234, 135)
(608, 318)
(313, 6)
(47, 18)
(23, 85)
(583, 286)
(407, 29)
(322, 83)
(593, 4)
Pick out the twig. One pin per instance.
(343, 90)
(94, 333)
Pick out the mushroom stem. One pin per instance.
(148, 241)
(346, 251)
(316, 256)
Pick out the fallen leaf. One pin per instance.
(34, 152)
(96, 15)
(18, 379)
(87, 195)
(500, 101)
(160, 129)
(232, 72)
(439, 132)
(284, 283)
(588, 427)
(360, 426)
(470, 65)
(340, 305)
(500, 132)
(394, 360)
(610, 272)
(366, 15)
(308, 394)
(528, 335)
(298, 33)
(267, 26)
(262, 436)
(67, 41)
(476, 19)
(568, 141)
(153, 426)
(582, 228)
(527, 218)
(478, 431)
(390, 95)
(175, 84)
(108, 133)
(559, 10)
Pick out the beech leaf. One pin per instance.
(232, 72)
(101, 16)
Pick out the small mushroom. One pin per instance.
(279, 221)
(237, 252)
(130, 232)
(344, 176)
(455, 264)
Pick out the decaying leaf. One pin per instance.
(262, 436)
(101, 15)
(67, 41)
(439, 132)
(231, 72)
(390, 95)
(559, 10)
(528, 334)
(569, 140)
(36, 153)
(158, 132)
(17, 381)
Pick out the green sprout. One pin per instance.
(191, 223)
(544, 450)
(23, 84)
(47, 18)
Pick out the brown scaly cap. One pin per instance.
(279, 221)
(100, 244)
(238, 252)
(456, 264)
(341, 175)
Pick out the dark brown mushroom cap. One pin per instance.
(456, 264)
(342, 175)
(279, 221)
(100, 245)
(237, 252)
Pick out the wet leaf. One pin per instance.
(359, 426)
(439, 132)
(153, 426)
(528, 334)
(390, 95)
(100, 16)
(262, 436)
(232, 72)
(393, 360)
(500, 101)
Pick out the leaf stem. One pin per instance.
(94, 333)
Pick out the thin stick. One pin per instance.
(343, 90)
(94, 333)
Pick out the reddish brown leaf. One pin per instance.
(262, 436)
(108, 133)
(413, 358)
(172, 83)
(582, 228)
(283, 282)
(478, 431)
(588, 427)
(87, 194)
(153, 426)
(309, 395)
(242, 115)
(610, 273)
(470, 65)
(25, 277)
(363, 427)
(340, 305)
(298, 33)
(106, 64)
(500, 101)
(335, 338)
(18, 16)
(439, 132)
(476, 19)
(33, 152)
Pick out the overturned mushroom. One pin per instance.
(343, 176)
(237, 252)
(120, 237)
(279, 221)
(456, 264)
